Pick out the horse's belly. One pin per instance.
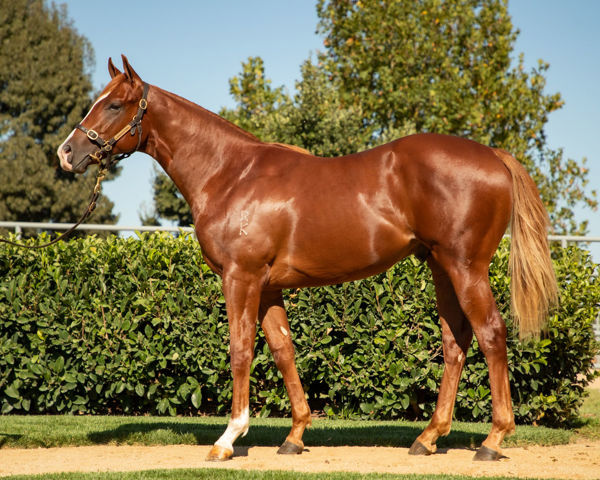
(340, 255)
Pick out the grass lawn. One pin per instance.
(214, 474)
(56, 431)
(590, 416)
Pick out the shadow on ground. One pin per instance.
(5, 437)
(268, 435)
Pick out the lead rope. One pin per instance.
(102, 171)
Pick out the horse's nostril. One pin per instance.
(66, 154)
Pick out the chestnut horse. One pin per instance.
(270, 216)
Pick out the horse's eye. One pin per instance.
(114, 106)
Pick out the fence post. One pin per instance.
(18, 232)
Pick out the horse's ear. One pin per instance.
(129, 71)
(112, 70)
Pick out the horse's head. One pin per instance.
(111, 125)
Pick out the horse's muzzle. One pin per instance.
(65, 155)
(67, 163)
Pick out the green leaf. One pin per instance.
(12, 392)
(197, 398)
(59, 364)
(431, 383)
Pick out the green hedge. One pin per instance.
(128, 326)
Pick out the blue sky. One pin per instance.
(192, 48)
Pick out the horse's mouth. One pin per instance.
(81, 166)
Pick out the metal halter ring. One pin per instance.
(92, 135)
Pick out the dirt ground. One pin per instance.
(575, 461)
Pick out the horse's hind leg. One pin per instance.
(472, 287)
(456, 337)
(279, 337)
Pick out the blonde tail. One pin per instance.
(533, 284)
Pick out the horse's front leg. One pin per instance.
(275, 324)
(242, 296)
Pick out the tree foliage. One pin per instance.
(315, 118)
(44, 91)
(392, 68)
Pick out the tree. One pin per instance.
(392, 68)
(45, 90)
(314, 118)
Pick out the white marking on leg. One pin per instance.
(283, 330)
(235, 427)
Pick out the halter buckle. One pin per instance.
(143, 103)
(92, 135)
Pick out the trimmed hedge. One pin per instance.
(128, 326)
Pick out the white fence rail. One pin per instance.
(18, 228)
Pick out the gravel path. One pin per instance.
(574, 461)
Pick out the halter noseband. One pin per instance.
(107, 145)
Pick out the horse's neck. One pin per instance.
(193, 145)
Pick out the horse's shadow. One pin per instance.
(329, 434)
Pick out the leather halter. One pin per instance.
(107, 145)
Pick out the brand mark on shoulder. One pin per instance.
(243, 222)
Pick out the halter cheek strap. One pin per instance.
(106, 146)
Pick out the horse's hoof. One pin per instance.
(219, 454)
(485, 454)
(417, 448)
(289, 448)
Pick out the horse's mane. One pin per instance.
(291, 147)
